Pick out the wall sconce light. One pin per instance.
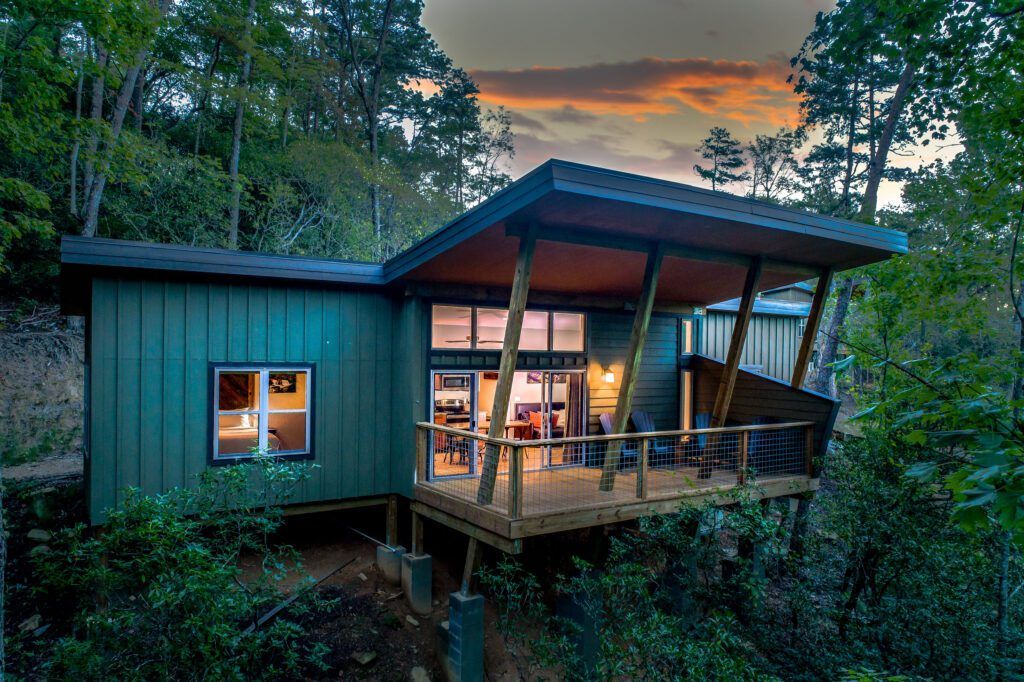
(609, 375)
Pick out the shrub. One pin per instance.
(159, 592)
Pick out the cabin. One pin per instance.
(531, 367)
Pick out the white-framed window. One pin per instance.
(261, 408)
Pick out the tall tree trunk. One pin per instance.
(137, 98)
(876, 168)
(850, 135)
(822, 382)
(95, 122)
(204, 98)
(236, 134)
(73, 162)
(124, 95)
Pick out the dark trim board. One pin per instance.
(117, 253)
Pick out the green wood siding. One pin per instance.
(152, 342)
(658, 388)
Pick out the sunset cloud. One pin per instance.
(744, 91)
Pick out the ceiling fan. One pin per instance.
(467, 338)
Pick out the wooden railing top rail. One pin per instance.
(462, 433)
(541, 442)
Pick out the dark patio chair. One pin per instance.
(659, 450)
(629, 452)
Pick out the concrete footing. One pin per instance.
(466, 637)
(389, 561)
(417, 576)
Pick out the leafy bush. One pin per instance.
(657, 606)
(159, 592)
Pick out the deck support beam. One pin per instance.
(739, 337)
(507, 366)
(803, 357)
(631, 368)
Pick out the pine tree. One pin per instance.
(723, 152)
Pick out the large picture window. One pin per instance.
(265, 409)
(465, 327)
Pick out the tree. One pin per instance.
(773, 162)
(236, 131)
(135, 56)
(723, 152)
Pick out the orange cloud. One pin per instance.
(745, 91)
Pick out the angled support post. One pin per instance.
(507, 367)
(817, 311)
(630, 371)
(723, 397)
(739, 337)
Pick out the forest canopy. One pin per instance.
(335, 128)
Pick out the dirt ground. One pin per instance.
(372, 616)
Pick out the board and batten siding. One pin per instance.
(657, 391)
(772, 341)
(152, 342)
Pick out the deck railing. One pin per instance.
(537, 477)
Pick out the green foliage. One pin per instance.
(659, 608)
(314, 147)
(161, 588)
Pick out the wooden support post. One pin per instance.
(741, 473)
(515, 481)
(641, 470)
(803, 357)
(809, 450)
(391, 537)
(631, 369)
(423, 439)
(507, 367)
(470, 567)
(739, 337)
(417, 534)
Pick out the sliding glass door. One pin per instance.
(543, 404)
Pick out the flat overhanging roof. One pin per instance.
(595, 227)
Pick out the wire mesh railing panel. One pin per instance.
(530, 478)
(777, 452)
(456, 463)
(577, 475)
(681, 463)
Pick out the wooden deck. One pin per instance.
(560, 498)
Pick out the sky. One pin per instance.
(632, 85)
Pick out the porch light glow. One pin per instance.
(609, 376)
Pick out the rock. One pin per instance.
(362, 576)
(39, 550)
(419, 674)
(39, 535)
(412, 621)
(31, 623)
(364, 658)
